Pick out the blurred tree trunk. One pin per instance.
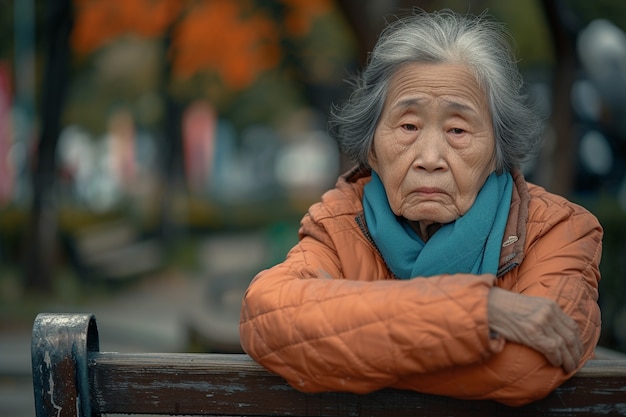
(365, 26)
(367, 19)
(557, 168)
(173, 186)
(41, 234)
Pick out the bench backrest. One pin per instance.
(71, 377)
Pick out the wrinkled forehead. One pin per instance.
(452, 86)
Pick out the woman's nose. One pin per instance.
(429, 151)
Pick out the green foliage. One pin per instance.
(612, 10)
(7, 28)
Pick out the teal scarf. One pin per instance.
(470, 244)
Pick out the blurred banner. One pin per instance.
(6, 168)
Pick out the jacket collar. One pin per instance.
(514, 239)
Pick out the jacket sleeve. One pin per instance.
(561, 263)
(300, 320)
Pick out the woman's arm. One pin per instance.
(562, 267)
(348, 335)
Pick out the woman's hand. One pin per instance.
(538, 323)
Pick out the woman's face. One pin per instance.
(434, 145)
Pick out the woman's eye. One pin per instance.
(456, 131)
(408, 126)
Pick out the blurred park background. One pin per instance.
(156, 154)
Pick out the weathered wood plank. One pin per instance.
(219, 384)
(72, 378)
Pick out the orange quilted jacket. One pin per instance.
(332, 317)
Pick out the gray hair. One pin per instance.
(443, 37)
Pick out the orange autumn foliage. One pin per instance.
(227, 37)
(300, 14)
(100, 21)
(216, 36)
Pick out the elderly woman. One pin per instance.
(433, 265)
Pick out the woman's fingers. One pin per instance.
(571, 344)
(565, 347)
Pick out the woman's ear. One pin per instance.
(372, 160)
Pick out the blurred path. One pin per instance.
(154, 317)
(170, 311)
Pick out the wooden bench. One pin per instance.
(71, 377)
